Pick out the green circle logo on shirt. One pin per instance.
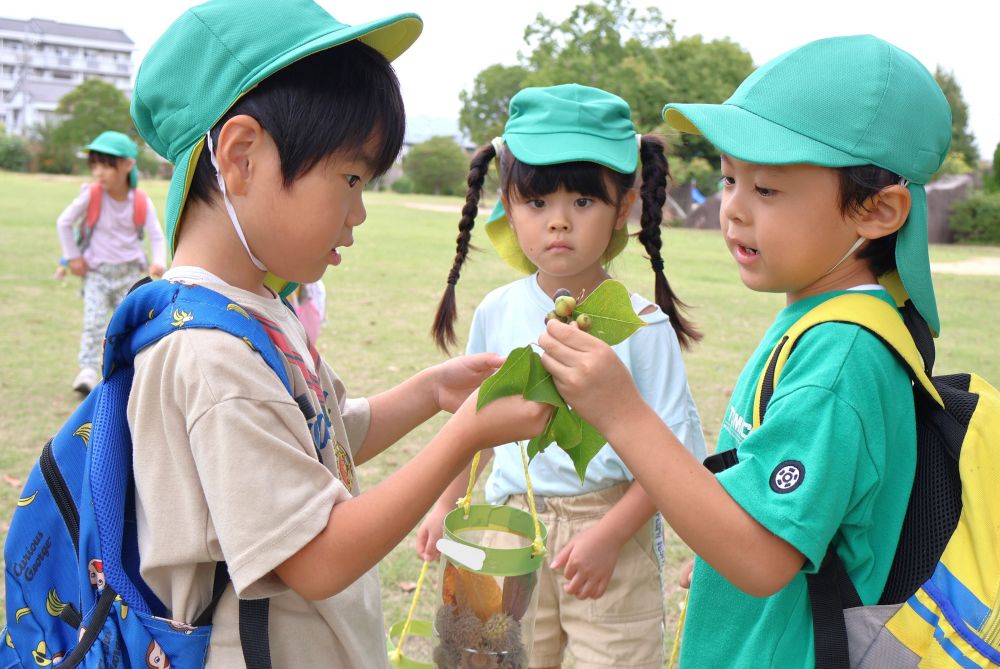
(787, 476)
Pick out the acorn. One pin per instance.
(565, 304)
(584, 322)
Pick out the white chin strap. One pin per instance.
(850, 252)
(229, 205)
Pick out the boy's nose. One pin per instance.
(731, 210)
(359, 214)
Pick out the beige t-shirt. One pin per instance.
(227, 468)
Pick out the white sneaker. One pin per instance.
(85, 380)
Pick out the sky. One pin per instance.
(463, 37)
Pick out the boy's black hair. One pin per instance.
(858, 184)
(330, 102)
(102, 158)
(589, 179)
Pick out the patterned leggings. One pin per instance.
(104, 287)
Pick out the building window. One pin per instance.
(56, 74)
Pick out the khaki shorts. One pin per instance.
(623, 629)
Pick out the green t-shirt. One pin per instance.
(833, 461)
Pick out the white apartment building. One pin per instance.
(41, 61)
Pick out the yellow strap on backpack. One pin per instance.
(868, 311)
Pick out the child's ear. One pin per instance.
(240, 144)
(626, 207)
(884, 213)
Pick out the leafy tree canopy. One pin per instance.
(85, 112)
(634, 54)
(962, 140)
(437, 166)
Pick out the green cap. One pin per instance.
(841, 102)
(565, 124)
(218, 51)
(117, 144)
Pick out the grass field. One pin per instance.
(380, 305)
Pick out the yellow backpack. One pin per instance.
(941, 603)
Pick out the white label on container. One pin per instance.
(467, 556)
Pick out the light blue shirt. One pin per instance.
(514, 315)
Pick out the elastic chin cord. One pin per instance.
(229, 205)
(850, 252)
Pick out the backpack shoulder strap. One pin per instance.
(94, 206)
(140, 206)
(867, 311)
(157, 308)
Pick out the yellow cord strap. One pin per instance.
(677, 637)
(397, 654)
(537, 546)
(466, 502)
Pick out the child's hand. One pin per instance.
(156, 271)
(78, 266)
(587, 372)
(500, 422)
(430, 530)
(685, 579)
(588, 561)
(456, 378)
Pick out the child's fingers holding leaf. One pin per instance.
(587, 372)
(455, 379)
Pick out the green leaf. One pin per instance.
(591, 442)
(510, 379)
(542, 441)
(611, 313)
(567, 429)
(612, 320)
(540, 386)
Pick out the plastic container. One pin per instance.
(488, 580)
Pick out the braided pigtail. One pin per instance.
(653, 192)
(443, 329)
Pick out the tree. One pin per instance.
(633, 54)
(962, 140)
(438, 166)
(701, 72)
(484, 108)
(85, 112)
(993, 178)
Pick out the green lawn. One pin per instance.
(381, 302)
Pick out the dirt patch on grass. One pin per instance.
(984, 266)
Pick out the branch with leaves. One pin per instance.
(612, 320)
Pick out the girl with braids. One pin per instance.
(568, 160)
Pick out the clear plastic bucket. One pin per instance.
(488, 583)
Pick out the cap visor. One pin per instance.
(553, 148)
(751, 138)
(390, 36)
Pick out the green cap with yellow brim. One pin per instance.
(215, 53)
(565, 124)
(841, 102)
(118, 144)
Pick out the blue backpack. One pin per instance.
(74, 596)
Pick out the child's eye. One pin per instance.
(352, 180)
(536, 204)
(765, 192)
(726, 181)
(583, 202)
